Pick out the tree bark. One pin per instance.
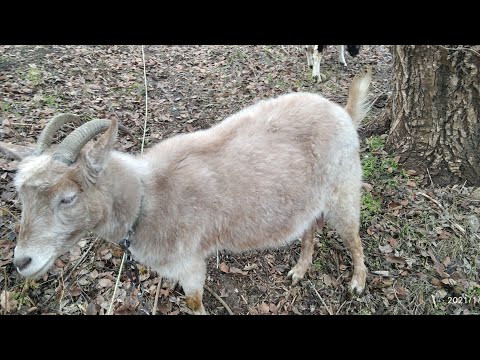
(434, 112)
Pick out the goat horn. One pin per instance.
(46, 137)
(71, 146)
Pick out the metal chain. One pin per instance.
(132, 272)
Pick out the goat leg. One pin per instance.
(192, 280)
(298, 271)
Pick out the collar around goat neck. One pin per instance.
(125, 242)
(131, 268)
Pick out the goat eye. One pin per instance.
(68, 200)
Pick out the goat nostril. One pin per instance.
(22, 263)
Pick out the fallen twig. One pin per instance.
(109, 312)
(396, 297)
(70, 272)
(321, 299)
(340, 307)
(219, 299)
(5, 280)
(431, 199)
(141, 152)
(11, 214)
(154, 312)
(431, 181)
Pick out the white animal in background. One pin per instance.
(314, 57)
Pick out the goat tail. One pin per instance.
(357, 103)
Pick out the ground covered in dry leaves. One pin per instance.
(421, 243)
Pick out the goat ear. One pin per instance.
(98, 155)
(17, 152)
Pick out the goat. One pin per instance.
(314, 57)
(259, 179)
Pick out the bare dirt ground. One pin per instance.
(421, 242)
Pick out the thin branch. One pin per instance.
(141, 152)
(431, 199)
(146, 100)
(62, 286)
(70, 272)
(431, 181)
(456, 225)
(401, 303)
(11, 214)
(219, 299)
(5, 279)
(109, 312)
(321, 299)
(20, 124)
(154, 312)
(340, 307)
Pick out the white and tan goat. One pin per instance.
(259, 179)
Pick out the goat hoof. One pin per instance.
(319, 78)
(357, 285)
(297, 274)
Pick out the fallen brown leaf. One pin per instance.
(105, 282)
(224, 268)
(411, 183)
(235, 270)
(250, 267)
(393, 242)
(327, 280)
(7, 301)
(385, 249)
(264, 308)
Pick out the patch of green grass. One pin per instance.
(364, 311)
(299, 84)
(21, 296)
(137, 88)
(236, 56)
(375, 143)
(391, 183)
(407, 232)
(379, 167)
(474, 292)
(3, 61)
(34, 75)
(438, 311)
(308, 75)
(281, 84)
(370, 207)
(50, 100)
(319, 265)
(390, 163)
(5, 106)
(370, 166)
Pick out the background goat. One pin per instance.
(314, 57)
(258, 179)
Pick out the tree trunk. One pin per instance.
(434, 112)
